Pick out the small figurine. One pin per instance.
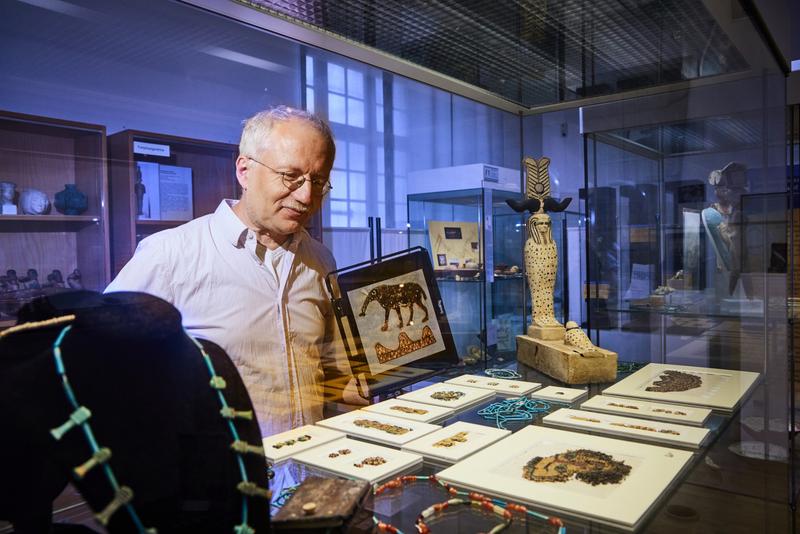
(34, 202)
(55, 279)
(74, 280)
(12, 281)
(139, 190)
(8, 191)
(31, 281)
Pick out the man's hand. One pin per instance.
(356, 391)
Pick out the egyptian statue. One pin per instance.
(541, 255)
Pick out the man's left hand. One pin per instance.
(353, 392)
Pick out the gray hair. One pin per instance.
(256, 129)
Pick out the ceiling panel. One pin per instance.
(533, 52)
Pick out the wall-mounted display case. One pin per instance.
(53, 226)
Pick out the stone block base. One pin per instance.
(549, 333)
(563, 363)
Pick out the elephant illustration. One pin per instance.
(392, 297)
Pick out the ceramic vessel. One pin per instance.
(70, 201)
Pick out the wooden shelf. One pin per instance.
(45, 154)
(47, 223)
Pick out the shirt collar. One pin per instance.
(235, 231)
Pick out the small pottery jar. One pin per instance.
(34, 202)
(70, 201)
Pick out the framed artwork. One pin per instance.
(718, 389)
(557, 394)
(357, 459)
(601, 479)
(378, 428)
(457, 398)
(455, 243)
(424, 413)
(502, 386)
(617, 425)
(671, 413)
(285, 445)
(455, 442)
(391, 316)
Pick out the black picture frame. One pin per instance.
(343, 281)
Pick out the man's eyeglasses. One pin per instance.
(319, 185)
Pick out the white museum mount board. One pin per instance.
(477, 438)
(433, 414)
(497, 470)
(665, 433)
(319, 436)
(671, 413)
(501, 386)
(555, 393)
(346, 423)
(720, 389)
(471, 397)
(343, 464)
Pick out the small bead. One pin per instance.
(555, 522)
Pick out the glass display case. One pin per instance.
(481, 278)
(687, 231)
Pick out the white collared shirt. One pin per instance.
(276, 323)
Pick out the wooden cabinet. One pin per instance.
(46, 154)
(213, 178)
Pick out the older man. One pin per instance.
(249, 277)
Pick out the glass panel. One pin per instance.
(310, 99)
(358, 214)
(358, 186)
(355, 112)
(337, 111)
(355, 83)
(336, 79)
(357, 160)
(309, 70)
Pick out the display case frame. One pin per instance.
(498, 297)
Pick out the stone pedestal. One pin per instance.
(549, 333)
(565, 363)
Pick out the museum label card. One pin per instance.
(555, 393)
(686, 415)
(597, 478)
(501, 386)
(424, 413)
(449, 395)
(283, 446)
(358, 459)
(718, 389)
(617, 425)
(455, 442)
(379, 428)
